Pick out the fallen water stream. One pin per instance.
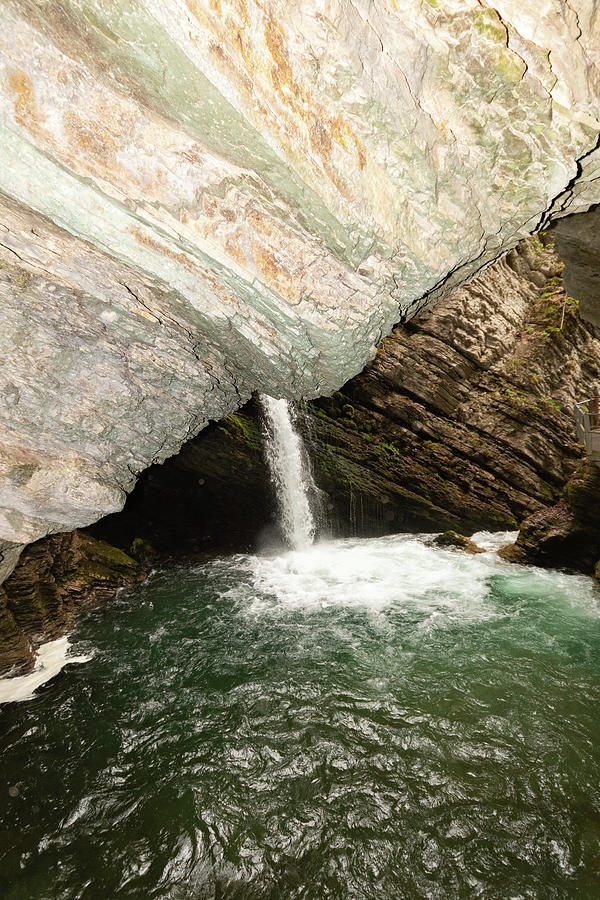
(365, 719)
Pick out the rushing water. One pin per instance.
(290, 473)
(370, 719)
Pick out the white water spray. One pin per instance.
(286, 458)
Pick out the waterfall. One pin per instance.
(286, 457)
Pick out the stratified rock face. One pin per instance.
(203, 199)
(463, 421)
(459, 541)
(54, 578)
(465, 418)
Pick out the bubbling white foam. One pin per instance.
(376, 574)
(51, 658)
(403, 573)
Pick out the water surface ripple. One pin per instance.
(369, 719)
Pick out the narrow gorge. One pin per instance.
(464, 421)
(299, 544)
(202, 201)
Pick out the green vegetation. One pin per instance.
(554, 307)
(237, 426)
(515, 394)
(387, 452)
(550, 402)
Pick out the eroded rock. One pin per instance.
(567, 534)
(54, 578)
(204, 199)
(458, 541)
(463, 421)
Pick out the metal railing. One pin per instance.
(587, 424)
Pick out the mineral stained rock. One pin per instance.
(463, 421)
(200, 199)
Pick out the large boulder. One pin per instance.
(567, 534)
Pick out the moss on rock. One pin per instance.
(53, 579)
(568, 533)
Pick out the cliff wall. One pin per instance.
(201, 199)
(463, 420)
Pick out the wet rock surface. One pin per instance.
(567, 534)
(216, 493)
(458, 541)
(205, 199)
(53, 580)
(463, 421)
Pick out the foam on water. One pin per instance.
(51, 658)
(402, 571)
(493, 540)
(376, 574)
(375, 718)
(398, 572)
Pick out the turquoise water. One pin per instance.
(371, 719)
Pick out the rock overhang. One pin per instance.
(204, 199)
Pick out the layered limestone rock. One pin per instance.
(200, 199)
(52, 581)
(567, 534)
(463, 421)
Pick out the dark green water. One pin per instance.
(375, 719)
